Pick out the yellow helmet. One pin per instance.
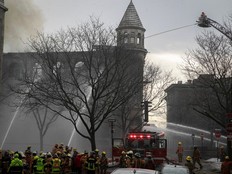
(188, 158)
(103, 153)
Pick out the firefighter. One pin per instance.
(97, 156)
(122, 161)
(40, 164)
(67, 164)
(48, 163)
(55, 149)
(149, 163)
(222, 154)
(78, 163)
(28, 160)
(226, 166)
(56, 164)
(34, 160)
(179, 152)
(16, 165)
(0, 160)
(6, 160)
(91, 163)
(130, 159)
(189, 164)
(83, 162)
(197, 157)
(74, 157)
(138, 161)
(103, 163)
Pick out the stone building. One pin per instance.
(130, 33)
(3, 9)
(185, 101)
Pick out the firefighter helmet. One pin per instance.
(188, 158)
(137, 154)
(16, 155)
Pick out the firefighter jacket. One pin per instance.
(40, 165)
(226, 166)
(179, 150)
(103, 162)
(190, 166)
(56, 165)
(129, 161)
(91, 163)
(139, 163)
(149, 164)
(122, 161)
(16, 166)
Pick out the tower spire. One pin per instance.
(130, 31)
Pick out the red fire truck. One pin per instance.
(146, 143)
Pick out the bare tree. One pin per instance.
(212, 62)
(154, 84)
(43, 121)
(156, 81)
(83, 71)
(213, 57)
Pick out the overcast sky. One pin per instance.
(156, 16)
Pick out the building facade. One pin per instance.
(130, 34)
(3, 9)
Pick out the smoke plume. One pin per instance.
(22, 20)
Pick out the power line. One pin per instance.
(171, 30)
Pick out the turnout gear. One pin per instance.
(56, 165)
(179, 152)
(226, 166)
(91, 164)
(16, 165)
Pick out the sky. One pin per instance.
(25, 17)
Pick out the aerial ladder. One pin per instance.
(206, 22)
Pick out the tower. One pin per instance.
(130, 35)
(3, 9)
(130, 31)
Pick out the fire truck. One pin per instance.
(146, 143)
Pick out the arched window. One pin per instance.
(78, 65)
(139, 38)
(125, 37)
(132, 39)
(57, 68)
(37, 72)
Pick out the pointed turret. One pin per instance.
(130, 31)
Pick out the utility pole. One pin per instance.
(111, 121)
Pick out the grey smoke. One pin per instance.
(22, 20)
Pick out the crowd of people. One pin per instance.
(61, 160)
(131, 160)
(191, 161)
